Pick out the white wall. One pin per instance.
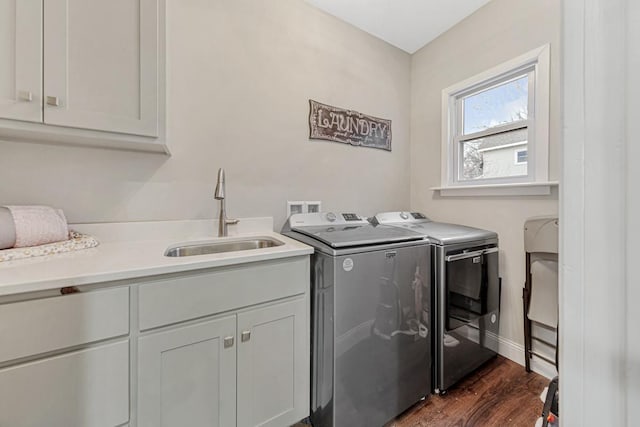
(632, 202)
(240, 73)
(501, 30)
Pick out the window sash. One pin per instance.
(459, 168)
(509, 127)
(459, 138)
(513, 75)
(536, 61)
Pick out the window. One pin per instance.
(495, 125)
(521, 157)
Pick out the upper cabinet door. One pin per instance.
(21, 60)
(101, 65)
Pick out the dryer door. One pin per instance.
(471, 312)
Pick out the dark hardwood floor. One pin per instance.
(499, 394)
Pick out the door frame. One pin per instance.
(599, 210)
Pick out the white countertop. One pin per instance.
(134, 250)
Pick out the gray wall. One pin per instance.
(240, 73)
(496, 33)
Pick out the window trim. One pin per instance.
(535, 61)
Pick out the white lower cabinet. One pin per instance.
(187, 376)
(224, 347)
(88, 388)
(273, 365)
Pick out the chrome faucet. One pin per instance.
(223, 221)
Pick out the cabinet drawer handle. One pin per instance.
(25, 95)
(69, 290)
(246, 336)
(54, 101)
(228, 342)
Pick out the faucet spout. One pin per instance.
(219, 194)
(223, 221)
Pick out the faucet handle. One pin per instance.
(232, 221)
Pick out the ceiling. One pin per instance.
(406, 24)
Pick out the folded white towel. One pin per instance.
(38, 225)
(7, 229)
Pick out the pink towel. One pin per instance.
(38, 225)
(7, 229)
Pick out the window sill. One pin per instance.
(516, 189)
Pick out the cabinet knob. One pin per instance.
(54, 101)
(245, 336)
(228, 342)
(25, 95)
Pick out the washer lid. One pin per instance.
(342, 236)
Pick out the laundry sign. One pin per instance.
(348, 126)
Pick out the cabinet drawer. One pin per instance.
(182, 298)
(32, 327)
(88, 388)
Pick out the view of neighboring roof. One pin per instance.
(501, 140)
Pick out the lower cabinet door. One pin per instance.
(88, 388)
(187, 376)
(273, 365)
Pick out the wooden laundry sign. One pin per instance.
(349, 127)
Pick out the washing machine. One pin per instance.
(371, 334)
(465, 294)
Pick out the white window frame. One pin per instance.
(535, 64)
(516, 161)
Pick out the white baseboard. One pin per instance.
(515, 352)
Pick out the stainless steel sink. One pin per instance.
(204, 248)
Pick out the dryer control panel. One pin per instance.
(401, 217)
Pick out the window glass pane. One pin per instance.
(493, 156)
(497, 106)
(521, 156)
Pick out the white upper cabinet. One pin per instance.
(21, 60)
(101, 65)
(83, 72)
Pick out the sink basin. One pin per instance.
(205, 248)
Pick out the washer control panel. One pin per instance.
(326, 218)
(351, 217)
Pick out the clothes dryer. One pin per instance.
(465, 294)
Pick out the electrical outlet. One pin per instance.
(295, 208)
(313, 207)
